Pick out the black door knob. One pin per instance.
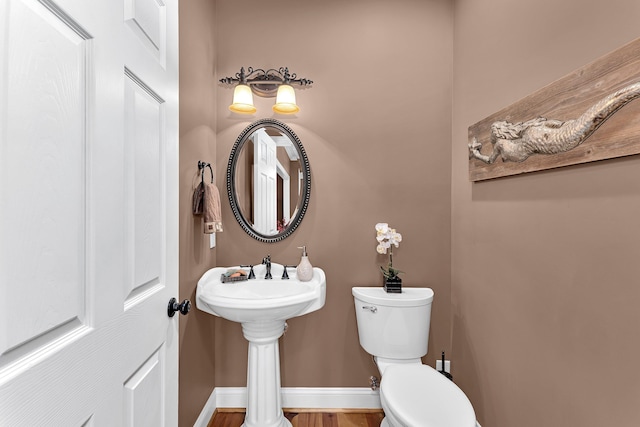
(183, 307)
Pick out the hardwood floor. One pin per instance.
(312, 418)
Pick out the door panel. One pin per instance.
(43, 182)
(143, 394)
(144, 141)
(147, 20)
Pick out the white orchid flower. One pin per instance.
(396, 238)
(382, 227)
(386, 237)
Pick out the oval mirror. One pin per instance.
(268, 180)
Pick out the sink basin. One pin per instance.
(259, 300)
(262, 307)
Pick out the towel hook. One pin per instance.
(201, 167)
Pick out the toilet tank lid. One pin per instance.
(409, 297)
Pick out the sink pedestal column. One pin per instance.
(264, 401)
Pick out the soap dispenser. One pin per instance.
(304, 269)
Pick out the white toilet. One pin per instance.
(394, 329)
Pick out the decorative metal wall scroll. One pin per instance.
(564, 123)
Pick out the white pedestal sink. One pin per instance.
(262, 307)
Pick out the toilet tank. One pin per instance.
(394, 326)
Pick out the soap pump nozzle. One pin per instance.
(304, 250)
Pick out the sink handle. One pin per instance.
(285, 275)
(252, 275)
(371, 308)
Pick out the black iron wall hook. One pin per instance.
(201, 167)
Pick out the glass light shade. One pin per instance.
(242, 100)
(285, 100)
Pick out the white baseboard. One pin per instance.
(207, 411)
(294, 397)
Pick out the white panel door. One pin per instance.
(88, 212)
(286, 192)
(265, 210)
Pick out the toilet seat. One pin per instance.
(419, 396)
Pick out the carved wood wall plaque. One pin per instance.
(591, 114)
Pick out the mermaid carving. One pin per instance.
(516, 142)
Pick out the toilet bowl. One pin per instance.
(419, 396)
(394, 329)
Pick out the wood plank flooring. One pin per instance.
(311, 418)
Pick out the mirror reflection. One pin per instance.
(268, 180)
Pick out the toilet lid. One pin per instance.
(418, 395)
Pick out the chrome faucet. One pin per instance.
(267, 261)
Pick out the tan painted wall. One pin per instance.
(197, 142)
(376, 126)
(545, 265)
(543, 272)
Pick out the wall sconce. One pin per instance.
(270, 83)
